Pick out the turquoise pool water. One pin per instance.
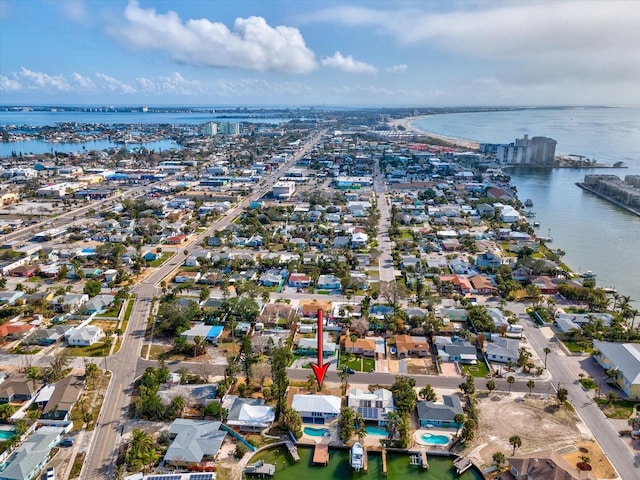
(317, 432)
(435, 439)
(6, 434)
(374, 430)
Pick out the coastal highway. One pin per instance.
(105, 441)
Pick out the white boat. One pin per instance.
(356, 457)
(528, 203)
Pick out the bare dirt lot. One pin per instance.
(539, 423)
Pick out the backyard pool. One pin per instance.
(398, 466)
(6, 434)
(430, 439)
(317, 432)
(374, 430)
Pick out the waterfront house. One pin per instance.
(624, 358)
(194, 442)
(250, 415)
(316, 409)
(373, 406)
(441, 414)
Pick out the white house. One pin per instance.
(373, 406)
(503, 350)
(316, 408)
(84, 336)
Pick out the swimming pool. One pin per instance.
(6, 434)
(374, 430)
(430, 439)
(317, 432)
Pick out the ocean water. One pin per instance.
(595, 234)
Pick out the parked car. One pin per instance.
(67, 442)
(51, 473)
(348, 370)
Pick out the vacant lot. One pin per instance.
(538, 422)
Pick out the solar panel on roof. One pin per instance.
(201, 476)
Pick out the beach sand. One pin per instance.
(407, 123)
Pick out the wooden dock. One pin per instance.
(366, 460)
(423, 456)
(461, 465)
(384, 461)
(321, 454)
(293, 450)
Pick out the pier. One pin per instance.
(461, 465)
(419, 458)
(293, 450)
(321, 454)
(366, 460)
(260, 469)
(384, 461)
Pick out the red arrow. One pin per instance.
(320, 370)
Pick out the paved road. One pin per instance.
(619, 454)
(126, 364)
(385, 261)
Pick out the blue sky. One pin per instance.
(320, 52)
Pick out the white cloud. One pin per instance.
(397, 68)
(37, 80)
(9, 84)
(348, 64)
(252, 44)
(112, 84)
(85, 83)
(583, 40)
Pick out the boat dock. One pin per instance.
(260, 469)
(384, 461)
(293, 450)
(366, 460)
(321, 454)
(461, 465)
(419, 458)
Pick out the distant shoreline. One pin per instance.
(409, 127)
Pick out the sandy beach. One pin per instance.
(407, 124)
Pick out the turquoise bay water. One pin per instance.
(595, 234)
(398, 467)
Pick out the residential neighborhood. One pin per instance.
(161, 311)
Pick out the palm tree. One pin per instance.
(546, 351)
(343, 376)
(531, 385)
(511, 380)
(491, 385)
(515, 441)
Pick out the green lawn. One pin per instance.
(359, 364)
(579, 347)
(98, 349)
(619, 409)
(480, 370)
(164, 256)
(588, 383)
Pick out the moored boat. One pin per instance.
(356, 457)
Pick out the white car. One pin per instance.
(51, 473)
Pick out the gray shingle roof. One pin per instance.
(444, 411)
(194, 439)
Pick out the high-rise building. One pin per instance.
(229, 128)
(211, 129)
(528, 151)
